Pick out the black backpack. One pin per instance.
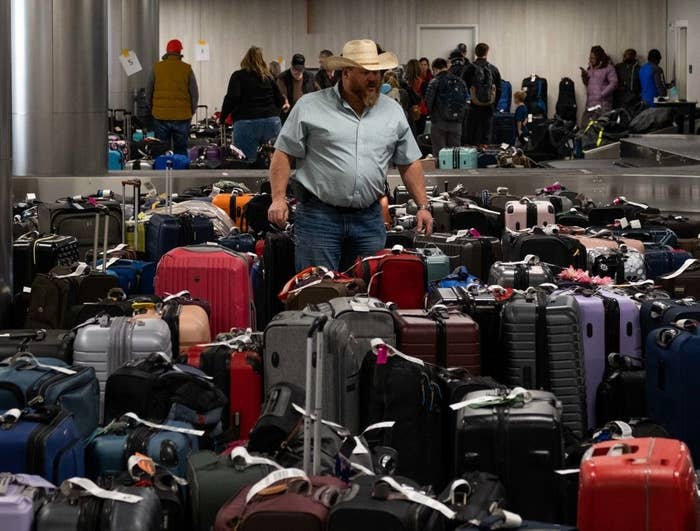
(483, 90)
(452, 97)
(536, 95)
(566, 103)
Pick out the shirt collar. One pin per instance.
(346, 105)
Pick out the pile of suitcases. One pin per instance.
(528, 362)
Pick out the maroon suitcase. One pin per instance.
(442, 337)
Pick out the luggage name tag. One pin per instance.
(685, 267)
(376, 343)
(636, 224)
(275, 477)
(516, 395)
(417, 497)
(624, 223)
(130, 62)
(176, 429)
(340, 430)
(240, 455)
(96, 491)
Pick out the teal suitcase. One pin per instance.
(459, 158)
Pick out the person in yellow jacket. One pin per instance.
(173, 95)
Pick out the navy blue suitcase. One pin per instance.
(657, 313)
(135, 276)
(196, 229)
(673, 376)
(503, 129)
(241, 243)
(659, 258)
(162, 235)
(107, 452)
(27, 380)
(41, 441)
(659, 235)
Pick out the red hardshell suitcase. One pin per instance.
(441, 337)
(394, 275)
(194, 354)
(246, 393)
(635, 484)
(215, 274)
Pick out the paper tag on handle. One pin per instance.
(379, 426)
(419, 497)
(165, 427)
(493, 400)
(275, 477)
(393, 352)
(686, 265)
(98, 492)
(240, 452)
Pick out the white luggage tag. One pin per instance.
(98, 492)
(240, 454)
(418, 497)
(26, 356)
(517, 393)
(391, 351)
(82, 268)
(275, 477)
(690, 262)
(176, 429)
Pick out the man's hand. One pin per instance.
(278, 213)
(425, 222)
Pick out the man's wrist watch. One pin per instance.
(423, 207)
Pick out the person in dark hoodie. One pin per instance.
(628, 85)
(173, 95)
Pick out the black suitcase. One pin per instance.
(278, 268)
(41, 343)
(555, 249)
(405, 391)
(519, 441)
(622, 393)
(32, 254)
(503, 129)
(477, 254)
(620, 208)
(468, 215)
(572, 218)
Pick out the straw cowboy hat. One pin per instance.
(362, 54)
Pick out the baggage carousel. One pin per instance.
(644, 178)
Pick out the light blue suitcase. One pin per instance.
(459, 158)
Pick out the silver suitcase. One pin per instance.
(110, 342)
(284, 360)
(520, 275)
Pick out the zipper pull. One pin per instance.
(38, 399)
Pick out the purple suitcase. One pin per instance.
(592, 326)
(621, 313)
(17, 502)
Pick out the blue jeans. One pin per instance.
(176, 130)
(249, 134)
(327, 237)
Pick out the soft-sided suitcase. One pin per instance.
(241, 243)
(476, 253)
(81, 505)
(215, 478)
(499, 200)
(285, 352)
(43, 441)
(40, 342)
(685, 281)
(282, 506)
(683, 227)
(622, 393)
(518, 436)
(437, 263)
(168, 444)
(135, 276)
(657, 313)
(556, 249)
(22, 493)
(620, 209)
(672, 371)
(440, 337)
(237, 210)
(663, 259)
(520, 275)
(26, 380)
(316, 285)
(394, 276)
(503, 128)
(541, 342)
(32, 254)
(458, 158)
(188, 320)
(110, 342)
(215, 274)
(400, 388)
(644, 483)
(402, 196)
(572, 218)
(526, 214)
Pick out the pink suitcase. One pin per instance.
(526, 213)
(215, 274)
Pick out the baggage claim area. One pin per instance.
(167, 364)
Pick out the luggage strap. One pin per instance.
(33, 363)
(688, 265)
(164, 427)
(517, 396)
(542, 379)
(68, 489)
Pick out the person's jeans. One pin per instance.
(176, 130)
(249, 134)
(327, 237)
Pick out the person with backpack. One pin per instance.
(483, 81)
(601, 81)
(446, 100)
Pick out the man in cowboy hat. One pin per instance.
(173, 95)
(343, 139)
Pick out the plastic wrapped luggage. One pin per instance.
(541, 342)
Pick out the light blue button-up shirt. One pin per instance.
(343, 158)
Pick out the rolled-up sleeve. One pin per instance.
(292, 137)
(406, 150)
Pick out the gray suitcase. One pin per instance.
(284, 360)
(109, 342)
(541, 343)
(520, 275)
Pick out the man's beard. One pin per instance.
(370, 98)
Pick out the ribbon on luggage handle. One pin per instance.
(342, 431)
(689, 263)
(240, 453)
(516, 394)
(418, 497)
(176, 429)
(529, 259)
(98, 492)
(275, 477)
(177, 295)
(379, 426)
(376, 342)
(82, 267)
(623, 199)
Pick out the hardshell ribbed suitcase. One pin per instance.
(215, 274)
(541, 343)
(522, 445)
(520, 275)
(477, 254)
(110, 342)
(526, 213)
(17, 504)
(394, 276)
(440, 337)
(284, 361)
(622, 328)
(645, 483)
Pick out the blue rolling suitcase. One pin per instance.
(662, 259)
(41, 441)
(162, 235)
(241, 243)
(135, 276)
(657, 313)
(27, 380)
(106, 454)
(180, 162)
(673, 377)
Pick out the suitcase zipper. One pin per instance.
(41, 396)
(36, 444)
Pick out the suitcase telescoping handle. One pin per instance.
(136, 185)
(315, 404)
(169, 186)
(101, 211)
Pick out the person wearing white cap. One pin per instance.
(343, 139)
